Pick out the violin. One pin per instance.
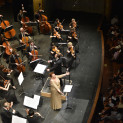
(45, 26)
(25, 20)
(72, 51)
(5, 70)
(5, 82)
(8, 49)
(5, 24)
(19, 63)
(60, 26)
(56, 50)
(74, 35)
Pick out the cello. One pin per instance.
(25, 20)
(8, 49)
(45, 26)
(18, 62)
(5, 24)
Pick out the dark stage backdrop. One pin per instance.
(28, 6)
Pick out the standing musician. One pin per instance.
(56, 35)
(73, 24)
(58, 25)
(70, 54)
(19, 16)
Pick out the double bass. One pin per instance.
(25, 20)
(5, 24)
(45, 26)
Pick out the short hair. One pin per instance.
(51, 73)
(69, 44)
(31, 112)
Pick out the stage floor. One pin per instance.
(84, 76)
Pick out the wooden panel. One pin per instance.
(36, 4)
(2, 2)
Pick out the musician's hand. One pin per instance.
(68, 51)
(49, 61)
(67, 73)
(16, 63)
(14, 87)
(13, 111)
(48, 70)
(30, 54)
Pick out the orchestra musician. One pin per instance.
(54, 50)
(16, 63)
(58, 25)
(56, 36)
(73, 24)
(70, 54)
(19, 16)
(72, 37)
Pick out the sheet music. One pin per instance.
(40, 68)
(16, 119)
(67, 88)
(20, 78)
(31, 102)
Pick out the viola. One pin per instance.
(5, 24)
(56, 50)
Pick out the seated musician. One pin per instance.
(16, 63)
(72, 37)
(73, 24)
(54, 50)
(70, 54)
(7, 50)
(58, 25)
(56, 36)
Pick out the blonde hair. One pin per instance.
(69, 44)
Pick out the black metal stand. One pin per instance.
(68, 106)
(22, 91)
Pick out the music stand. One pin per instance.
(16, 119)
(20, 80)
(40, 68)
(31, 23)
(8, 28)
(21, 47)
(31, 102)
(67, 89)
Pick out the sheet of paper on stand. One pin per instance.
(31, 102)
(40, 68)
(16, 119)
(67, 88)
(20, 78)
